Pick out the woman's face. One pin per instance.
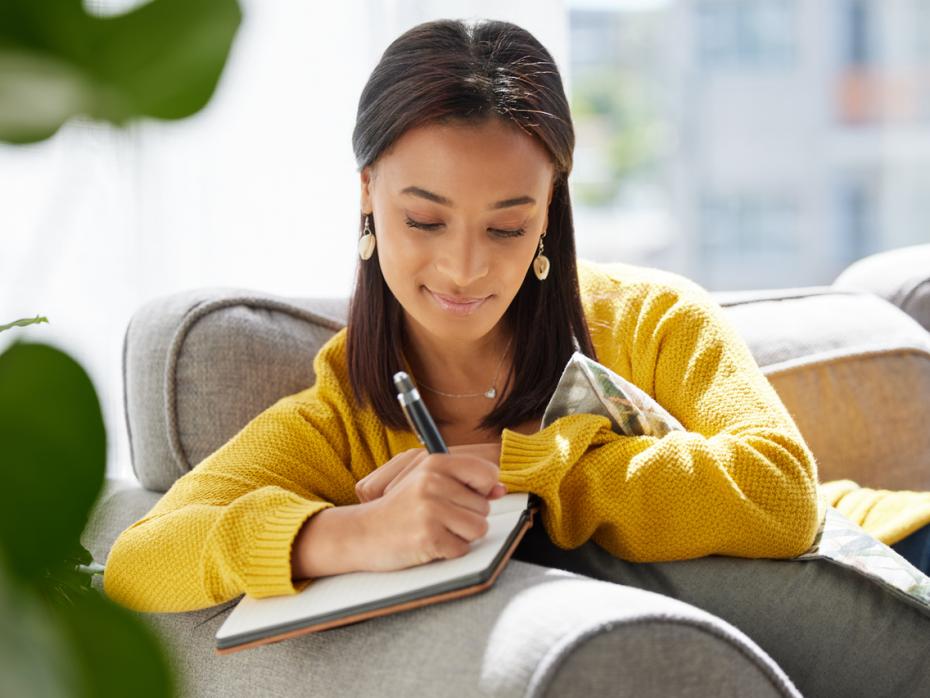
(458, 211)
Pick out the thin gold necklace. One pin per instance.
(490, 393)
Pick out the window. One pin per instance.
(747, 227)
(748, 33)
(858, 48)
(856, 219)
(921, 29)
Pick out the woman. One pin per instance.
(468, 281)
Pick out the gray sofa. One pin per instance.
(200, 364)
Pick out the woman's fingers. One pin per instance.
(467, 498)
(380, 481)
(372, 485)
(467, 523)
(401, 475)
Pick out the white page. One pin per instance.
(331, 594)
(515, 501)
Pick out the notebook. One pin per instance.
(328, 602)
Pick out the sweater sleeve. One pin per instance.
(226, 527)
(739, 481)
(889, 515)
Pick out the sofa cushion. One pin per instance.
(834, 632)
(198, 365)
(900, 276)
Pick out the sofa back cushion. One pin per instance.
(198, 365)
(852, 369)
(901, 276)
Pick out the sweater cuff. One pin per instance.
(520, 450)
(268, 572)
(520, 456)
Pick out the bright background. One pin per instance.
(742, 143)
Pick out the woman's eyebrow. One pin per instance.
(439, 199)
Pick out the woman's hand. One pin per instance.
(434, 511)
(380, 481)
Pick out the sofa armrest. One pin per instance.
(536, 632)
(901, 276)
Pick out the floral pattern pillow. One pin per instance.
(587, 386)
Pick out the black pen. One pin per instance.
(417, 415)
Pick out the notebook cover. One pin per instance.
(453, 589)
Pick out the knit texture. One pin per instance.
(889, 515)
(740, 481)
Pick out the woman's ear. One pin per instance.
(552, 187)
(365, 179)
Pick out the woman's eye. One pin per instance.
(433, 226)
(422, 226)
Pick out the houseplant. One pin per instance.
(60, 636)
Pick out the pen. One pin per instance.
(417, 415)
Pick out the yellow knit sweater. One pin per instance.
(740, 481)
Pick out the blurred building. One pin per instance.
(796, 134)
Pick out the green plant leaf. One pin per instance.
(36, 656)
(118, 653)
(84, 646)
(162, 60)
(53, 458)
(24, 322)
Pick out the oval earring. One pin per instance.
(366, 243)
(541, 263)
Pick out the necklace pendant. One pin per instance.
(492, 392)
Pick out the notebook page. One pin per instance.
(333, 594)
(515, 501)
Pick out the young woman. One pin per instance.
(468, 280)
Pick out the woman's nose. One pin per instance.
(464, 262)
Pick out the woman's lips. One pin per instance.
(448, 304)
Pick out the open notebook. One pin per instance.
(327, 602)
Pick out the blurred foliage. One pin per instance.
(617, 104)
(162, 59)
(59, 635)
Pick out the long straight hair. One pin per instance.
(446, 71)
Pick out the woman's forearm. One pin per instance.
(328, 543)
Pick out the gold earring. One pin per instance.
(541, 263)
(366, 243)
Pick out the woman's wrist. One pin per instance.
(328, 543)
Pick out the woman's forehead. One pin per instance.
(442, 159)
(491, 136)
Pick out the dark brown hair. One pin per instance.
(446, 71)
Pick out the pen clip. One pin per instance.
(413, 427)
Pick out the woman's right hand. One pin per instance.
(435, 511)
(384, 478)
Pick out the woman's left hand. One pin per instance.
(381, 480)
